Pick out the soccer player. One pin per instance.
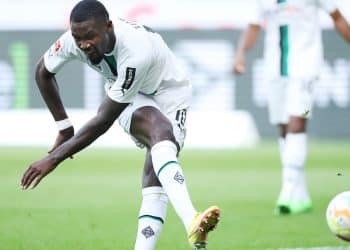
(293, 58)
(147, 92)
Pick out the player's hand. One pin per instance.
(37, 171)
(63, 135)
(239, 65)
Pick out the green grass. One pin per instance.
(92, 201)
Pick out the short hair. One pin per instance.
(88, 9)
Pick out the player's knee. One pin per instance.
(282, 130)
(162, 131)
(297, 125)
(151, 126)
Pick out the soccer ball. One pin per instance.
(338, 215)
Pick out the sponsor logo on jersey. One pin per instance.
(129, 78)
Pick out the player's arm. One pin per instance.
(246, 42)
(131, 72)
(341, 25)
(49, 90)
(59, 53)
(108, 112)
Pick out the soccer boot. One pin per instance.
(293, 207)
(289, 202)
(201, 225)
(293, 200)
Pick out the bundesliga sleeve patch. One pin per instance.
(55, 48)
(57, 45)
(129, 78)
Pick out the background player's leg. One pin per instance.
(296, 153)
(294, 184)
(299, 105)
(282, 139)
(153, 208)
(277, 107)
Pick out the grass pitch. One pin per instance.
(92, 201)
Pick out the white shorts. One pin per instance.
(290, 97)
(173, 102)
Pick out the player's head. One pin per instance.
(92, 29)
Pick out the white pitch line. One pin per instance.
(314, 248)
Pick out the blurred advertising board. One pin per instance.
(207, 56)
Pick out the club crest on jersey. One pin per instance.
(129, 78)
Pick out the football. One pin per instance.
(338, 215)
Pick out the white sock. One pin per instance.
(281, 144)
(172, 179)
(293, 176)
(151, 217)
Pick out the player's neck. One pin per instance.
(111, 44)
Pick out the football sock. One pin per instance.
(171, 177)
(281, 144)
(293, 176)
(151, 217)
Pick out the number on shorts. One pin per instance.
(181, 118)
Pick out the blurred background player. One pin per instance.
(147, 92)
(293, 57)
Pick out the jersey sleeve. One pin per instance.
(133, 67)
(59, 53)
(328, 5)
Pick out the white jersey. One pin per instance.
(293, 45)
(140, 62)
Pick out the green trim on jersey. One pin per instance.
(112, 64)
(152, 217)
(284, 47)
(165, 165)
